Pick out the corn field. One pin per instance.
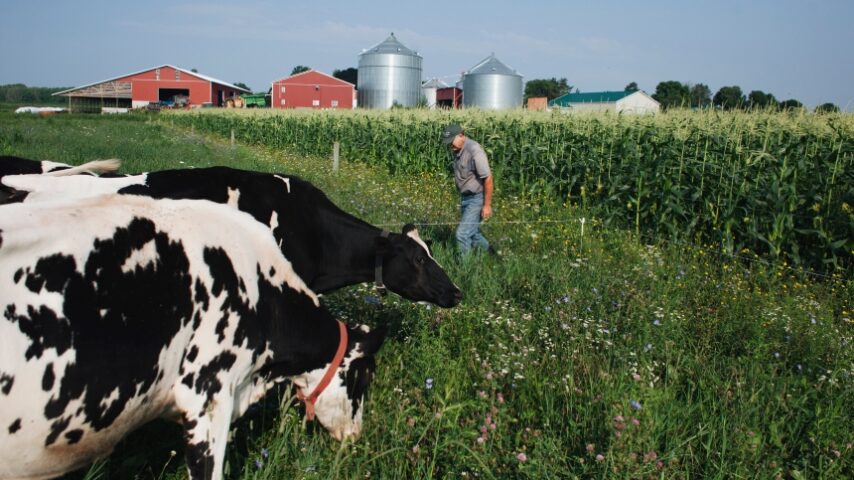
(780, 185)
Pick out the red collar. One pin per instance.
(327, 377)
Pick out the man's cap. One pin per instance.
(450, 132)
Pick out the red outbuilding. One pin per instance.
(313, 89)
(165, 85)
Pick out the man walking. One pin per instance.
(474, 182)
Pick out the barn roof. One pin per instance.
(312, 71)
(188, 72)
(589, 97)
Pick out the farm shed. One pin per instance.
(620, 102)
(166, 83)
(313, 89)
(449, 97)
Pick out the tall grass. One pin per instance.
(777, 184)
(576, 356)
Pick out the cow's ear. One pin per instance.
(408, 228)
(374, 340)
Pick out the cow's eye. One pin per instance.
(421, 260)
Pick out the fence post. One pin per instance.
(336, 147)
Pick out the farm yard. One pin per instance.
(673, 297)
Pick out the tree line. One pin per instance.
(675, 94)
(20, 93)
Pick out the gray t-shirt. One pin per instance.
(470, 167)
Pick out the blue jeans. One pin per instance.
(468, 231)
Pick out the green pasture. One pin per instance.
(776, 184)
(597, 346)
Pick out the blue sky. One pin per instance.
(792, 49)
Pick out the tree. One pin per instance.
(760, 99)
(791, 104)
(300, 69)
(348, 75)
(632, 87)
(242, 85)
(194, 70)
(672, 94)
(826, 108)
(729, 98)
(700, 95)
(550, 88)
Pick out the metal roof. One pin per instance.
(589, 97)
(196, 74)
(492, 66)
(434, 83)
(390, 45)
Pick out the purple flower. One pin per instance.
(372, 300)
(265, 453)
(635, 404)
(258, 464)
(428, 384)
(522, 457)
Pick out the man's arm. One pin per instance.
(486, 211)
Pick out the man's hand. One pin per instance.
(486, 212)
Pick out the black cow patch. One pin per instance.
(15, 426)
(207, 383)
(74, 436)
(6, 382)
(48, 378)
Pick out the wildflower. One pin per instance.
(635, 422)
(777, 355)
(656, 322)
(600, 458)
(647, 347)
(265, 453)
(480, 440)
(635, 404)
(415, 449)
(636, 377)
(500, 397)
(590, 448)
(372, 300)
(258, 464)
(522, 457)
(650, 456)
(428, 384)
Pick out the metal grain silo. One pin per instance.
(389, 73)
(492, 85)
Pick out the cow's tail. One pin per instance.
(95, 167)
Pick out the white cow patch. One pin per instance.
(274, 224)
(233, 197)
(287, 182)
(141, 258)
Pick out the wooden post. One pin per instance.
(336, 147)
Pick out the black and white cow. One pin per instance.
(10, 165)
(328, 247)
(120, 309)
(23, 166)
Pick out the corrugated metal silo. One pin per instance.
(389, 73)
(492, 85)
(429, 89)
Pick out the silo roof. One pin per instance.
(492, 66)
(391, 45)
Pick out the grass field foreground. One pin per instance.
(582, 353)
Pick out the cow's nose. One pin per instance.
(456, 297)
(341, 434)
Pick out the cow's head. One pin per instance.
(410, 271)
(339, 407)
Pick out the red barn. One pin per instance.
(164, 84)
(313, 89)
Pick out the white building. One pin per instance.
(620, 102)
